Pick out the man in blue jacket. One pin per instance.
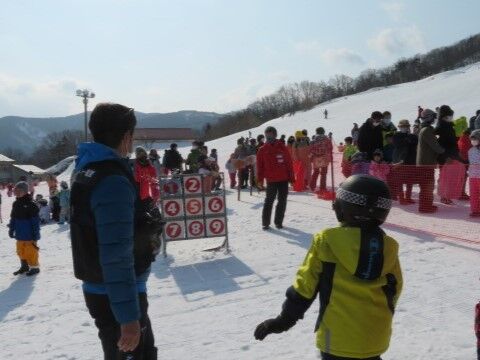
(113, 236)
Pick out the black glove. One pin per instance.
(273, 326)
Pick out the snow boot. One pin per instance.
(23, 268)
(33, 271)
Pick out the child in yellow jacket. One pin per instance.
(355, 271)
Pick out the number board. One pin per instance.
(172, 208)
(171, 187)
(193, 207)
(192, 184)
(195, 229)
(214, 205)
(189, 212)
(175, 230)
(216, 227)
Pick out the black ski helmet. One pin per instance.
(362, 200)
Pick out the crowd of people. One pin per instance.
(310, 160)
(406, 155)
(148, 167)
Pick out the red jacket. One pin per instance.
(464, 145)
(274, 163)
(146, 177)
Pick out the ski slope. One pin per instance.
(206, 305)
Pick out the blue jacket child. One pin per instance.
(24, 226)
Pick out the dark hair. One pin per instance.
(291, 139)
(214, 150)
(271, 129)
(376, 115)
(110, 122)
(478, 112)
(444, 111)
(320, 131)
(173, 146)
(260, 137)
(305, 132)
(386, 113)
(348, 139)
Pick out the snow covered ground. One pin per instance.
(206, 305)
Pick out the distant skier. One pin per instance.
(325, 113)
(24, 226)
(355, 132)
(358, 286)
(474, 173)
(321, 156)
(64, 200)
(379, 168)
(173, 161)
(427, 159)
(155, 161)
(471, 123)
(9, 189)
(419, 112)
(370, 136)
(145, 175)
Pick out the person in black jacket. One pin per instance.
(404, 170)
(447, 139)
(172, 160)
(472, 121)
(370, 137)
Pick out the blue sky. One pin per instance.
(212, 55)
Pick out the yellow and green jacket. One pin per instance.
(349, 151)
(460, 125)
(357, 275)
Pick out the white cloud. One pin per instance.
(394, 9)
(330, 56)
(38, 98)
(398, 41)
(308, 47)
(342, 55)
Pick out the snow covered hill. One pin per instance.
(458, 88)
(206, 305)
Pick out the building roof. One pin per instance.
(32, 168)
(3, 158)
(152, 134)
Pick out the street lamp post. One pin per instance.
(85, 94)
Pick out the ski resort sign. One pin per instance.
(191, 211)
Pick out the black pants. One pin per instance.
(427, 185)
(333, 357)
(109, 329)
(275, 189)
